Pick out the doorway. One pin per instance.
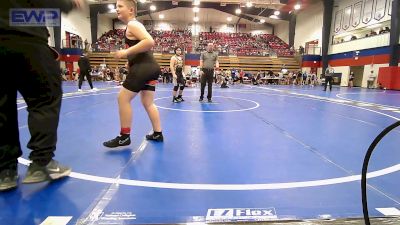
(358, 75)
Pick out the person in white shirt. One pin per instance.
(329, 77)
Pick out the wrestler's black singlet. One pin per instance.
(179, 71)
(143, 70)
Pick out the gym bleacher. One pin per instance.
(242, 51)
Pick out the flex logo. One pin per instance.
(241, 214)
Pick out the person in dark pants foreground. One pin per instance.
(38, 79)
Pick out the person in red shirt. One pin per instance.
(241, 75)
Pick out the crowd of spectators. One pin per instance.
(242, 44)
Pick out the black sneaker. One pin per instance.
(209, 100)
(8, 179)
(200, 99)
(52, 171)
(175, 100)
(155, 137)
(180, 99)
(118, 141)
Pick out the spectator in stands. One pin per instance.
(63, 77)
(178, 79)
(123, 72)
(73, 41)
(304, 78)
(384, 30)
(68, 74)
(84, 66)
(195, 75)
(353, 37)
(380, 86)
(255, 79)
(235, 76)
(290, 77)
(294, 79)
(169, 74)
(79, 41)
(224, 80)
(109, 75)
(116, 74)
(64, 74)
(164, 75)
(241, 76)
(208, 60)
(313, 79)
(301, 50)
(299, 78)
(291, 51)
